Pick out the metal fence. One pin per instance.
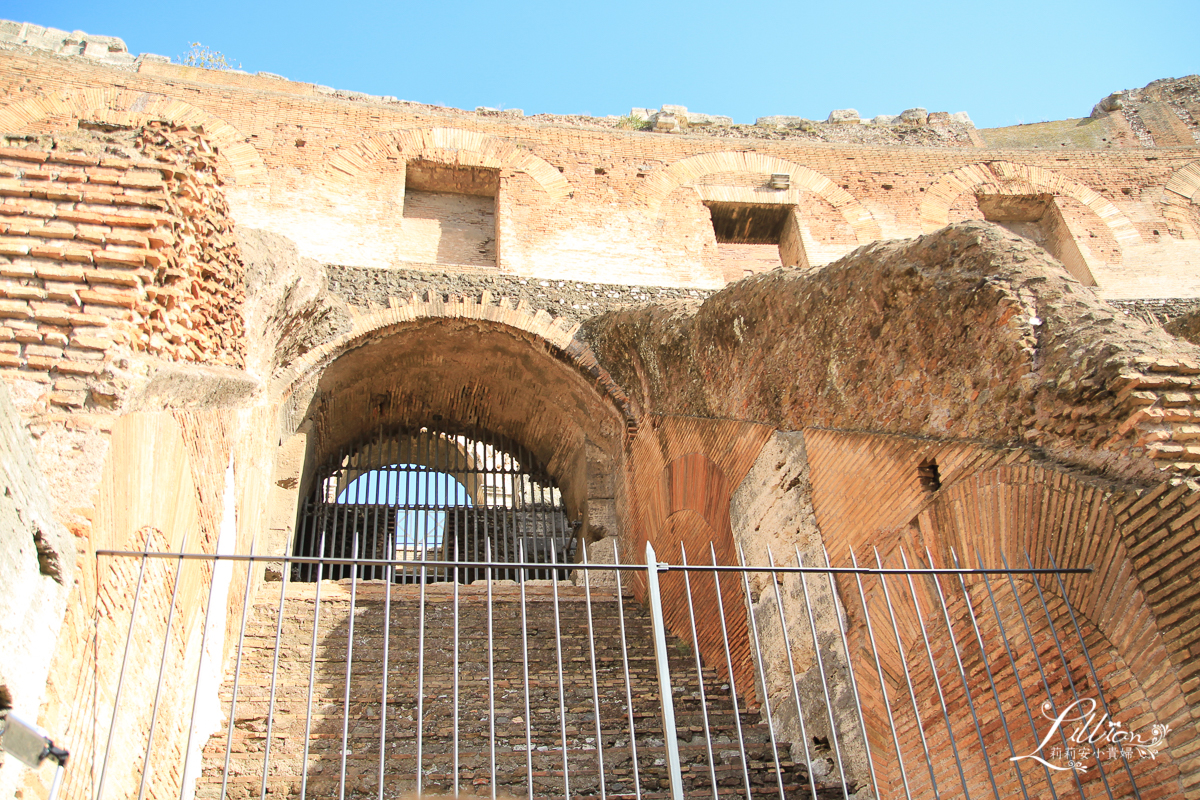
(900, 680)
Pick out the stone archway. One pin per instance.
(516, 374)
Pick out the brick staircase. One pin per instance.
(474, 760)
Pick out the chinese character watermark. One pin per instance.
(1090, 737)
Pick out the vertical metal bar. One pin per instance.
(212, 583)
(162, 664)
(812, 623)
(988, 669)
(112, 725)
(587, 591)
(937, 682)
(524, 578)
(1088, 657)
(383, 693)
(237, 674)
(457, 555)
(737, 715)
(562, 703)
(481, 518)
(491, 679)
(421, 671)
(762, 672)
(962, 673)
(787, 646)
(1066, 665)
(349, 664)
(887, 596)
(274, 681)
(887, 703)
(670, 736)
(312, 678)
(862, 722)
(687, 585)
(637, 784)
(371, 510)
(1037, 659)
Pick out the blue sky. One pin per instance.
(1004, 64)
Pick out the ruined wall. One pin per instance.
(1017, 354)
(972, 333)
(122, 336)
(162, 418)
(111, 246)
(587, 202)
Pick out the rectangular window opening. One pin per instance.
(755, 237)
(1037, 218)
(450, 214)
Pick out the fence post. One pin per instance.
(670, 739)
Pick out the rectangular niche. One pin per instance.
(1038, 218)
(755, 237)
(450, 214)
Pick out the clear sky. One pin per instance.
(1003, 63)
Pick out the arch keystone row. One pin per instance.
(557, 332)
(935, 208)
(455, 146)
(689, 170)
(123, 107)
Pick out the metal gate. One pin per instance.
(431, 494)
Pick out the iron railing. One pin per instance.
(801, 680)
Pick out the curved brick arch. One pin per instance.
(557, 334)
(1185, 182)
(446, 146)
(693, 168)
(935, 208)
(515, 373)
(131, 108)
(1181, 196)
(1004, 511)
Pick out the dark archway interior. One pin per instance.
(473, 375)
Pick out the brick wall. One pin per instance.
(103, 253)
(574, 202)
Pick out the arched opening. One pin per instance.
(433, 494)
(444, 437)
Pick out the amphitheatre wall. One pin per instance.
(206, 277)
(536, 197)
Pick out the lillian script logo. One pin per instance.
(1076, 735)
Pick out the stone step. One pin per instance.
(324, 714)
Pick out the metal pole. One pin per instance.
(787, 646)
(587, 588)
(937, 683)
(162, 665)
(833, 595)
(737, 716)
(762, 672)
(524, 577)
(812, 623)
(687, 583)
(637, 782)
(912, 694)
(237, 674)
(562, 702)
(887, 703)
(670, 738)
(112, 726)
